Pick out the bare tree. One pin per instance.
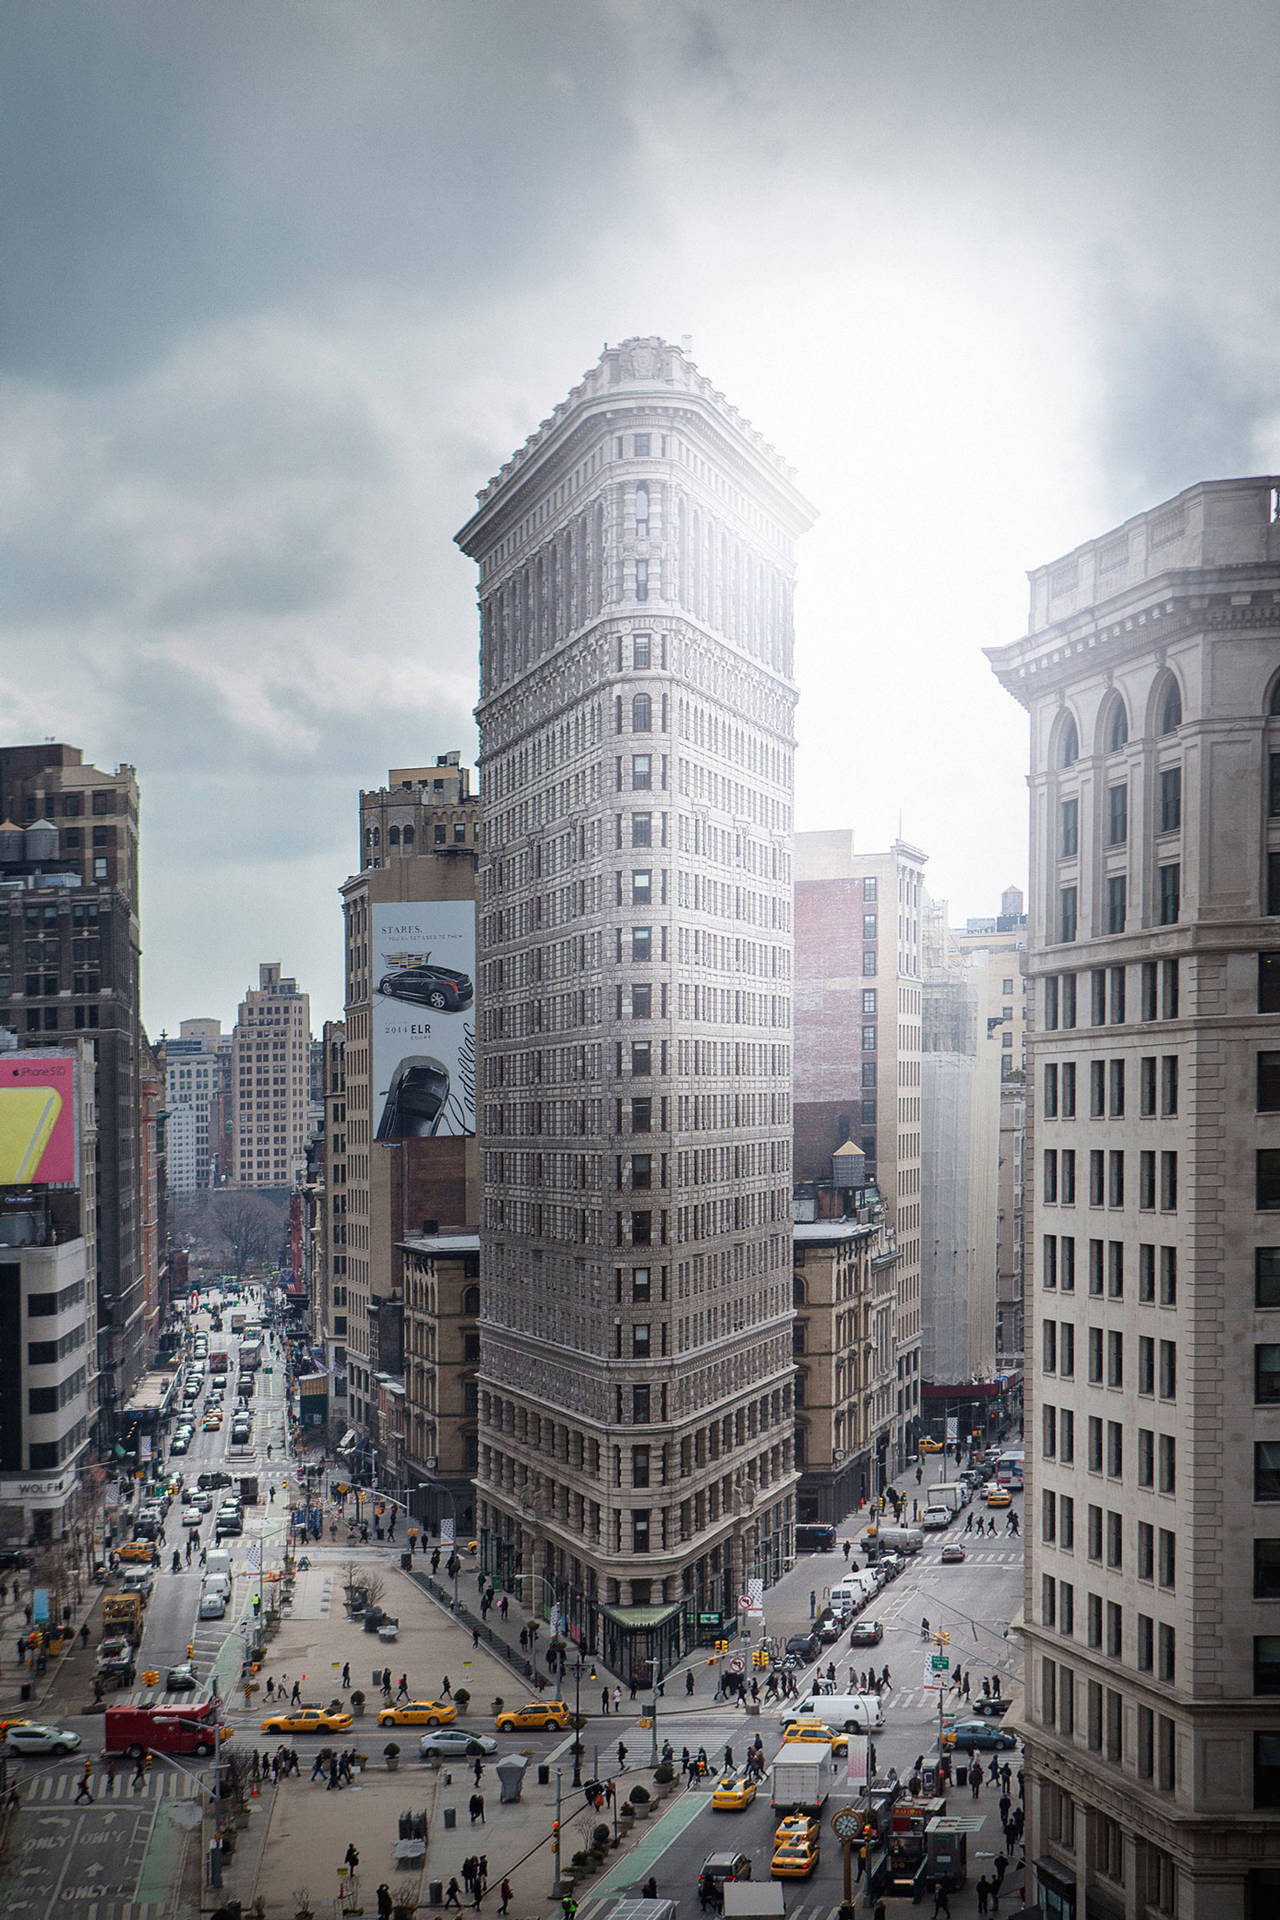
(246, 1227)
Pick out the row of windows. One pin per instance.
(1168, 810)
(1107, 1268)
(1115, 917)
(1114, 729)
(1157, 1087)
(1157, 1178)
(1107, 989)
(1157, 1461)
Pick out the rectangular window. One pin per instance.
(1095, 1533)
(1049, 1338)
(1067, 914)
(869, 926)
(640, 1406)
(1115, 1179)
(642, 887)
(1147, 1086)
(1068, 1177)
(1146, 1457)
(1116, 1079)
(1266, 1769)
(641, 944)
(1049, 1425)
(1266, 1374)
(1150, 979)
(1168, 1466)
(1167, 1654)
(1168, 1369)
(1266, 1276)
(1171, 799)
(1051, 1089)
(1096, 1267)
(640, 1530)
(640, 1340)
(642, 829)
(1168, 989)
(639, 1466)
(1067, 1263)
(1146, 1730)
(1068, 1089)
(1170, 893)
(1069, 819)
(1049, 1262)
(641, 1113)
(1116, 983)
(1146, 1181)
(1066, 1505)
(1115, 1269)
(1098, 996)
(1067, 1351)
(1048, 1602)
(641, 1001)
(1169, 1084)
(1269, 982)
(1146, 1365)
(1168, 1182)
(641, 1057)
(1147, 1274)
(1050, 1176)
(1268, 1083)
(1117, 816)
(1168, 1557)
(869, 1000)
(642, 652)
(1267, 1179)
(1097, 1177)
(642, 772)
(1095, 1620)
(1115, 1634)
(1115, 1539)
(1051, 998)
(1273, 883)
(1068, 1000)
(1146, 1643)
(1168, 1276)
(1266, 1569)
(1094, 1696)
(1117, 896)
(1095, 1444)
(1097, 1089)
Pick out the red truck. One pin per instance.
(218, 1361)
(134, 1730)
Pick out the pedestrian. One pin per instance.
(617, 1699)
(346, 1675)
(271, 1689)
(84, 1634)
(384, 1902)
(504, 1896)
(604, 1699)
(351, 1858)
(1001, 1865)
(984, 1893)
(451, 1893)
(622, 1758)
(446, 1691)
(649, 1891)
(334, 1784)
(109, 1784)
(295, 1697)
(968, 1523)
(965, 1688)
(402, 1691)
(475, 1807)
(82, 1787)
(475, 1636)
(140, 1771)
(319, 1763)
(479, 1771)
(688, 1681)
(975, 1779)
(941, 1905)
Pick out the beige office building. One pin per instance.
(1151, 675)
(636, 728)
(271, 1083)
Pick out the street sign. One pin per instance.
(940, 1662)
(737, 1664)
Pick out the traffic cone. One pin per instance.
(253, 1791)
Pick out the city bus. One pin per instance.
(1009, 1471)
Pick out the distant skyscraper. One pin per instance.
(1151, 675)
(69, 944)
(197, 1069)
(271, 1083)
(636, 728)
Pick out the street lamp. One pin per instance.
(440, 1487)
(577, 1718)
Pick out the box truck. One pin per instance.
(802, 1776)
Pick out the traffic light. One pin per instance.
(191, 1649)
(722, 1646)
(759, 1657)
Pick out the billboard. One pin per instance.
(38, 1119)
(424, 1022)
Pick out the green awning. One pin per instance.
(633, 1619)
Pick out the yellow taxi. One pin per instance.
(816, 1730)
(930, 1446)
(137, 1550)
(734, 1792)
(795, 1859)
(419, 1713)
(306, 1720)
(6, 1724)
(999, 1497)
(796, 1827)
(535, 1713)
(211, 1423)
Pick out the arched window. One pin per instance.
(1117, 728)
(1273, 705)
(407, 836)
(797, 1291)
(641, 713)
(1169, 712)
(642, 509)
(377, 836)
(393, 836)
(1069, 747)
(471, 1300)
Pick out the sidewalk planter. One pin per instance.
(391, 1754)
(639, 1799)
(357, 1704)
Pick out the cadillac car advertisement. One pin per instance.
(424, 1020)
(37, 1119)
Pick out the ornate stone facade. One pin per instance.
(636, 1424)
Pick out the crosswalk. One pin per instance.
(59, 1789)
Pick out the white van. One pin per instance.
(853, 1591)
(217, 1560)
(217, 1583)
(900, 1539)
(846, 1712)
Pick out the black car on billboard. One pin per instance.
(445, 988)
(415, 1099)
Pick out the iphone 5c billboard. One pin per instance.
(37, 1119)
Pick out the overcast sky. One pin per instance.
(285, 284)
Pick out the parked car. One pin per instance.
(445, 988)
(806, 1645)
(180, 1443)
(866, 1633)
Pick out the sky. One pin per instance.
(287, 281)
